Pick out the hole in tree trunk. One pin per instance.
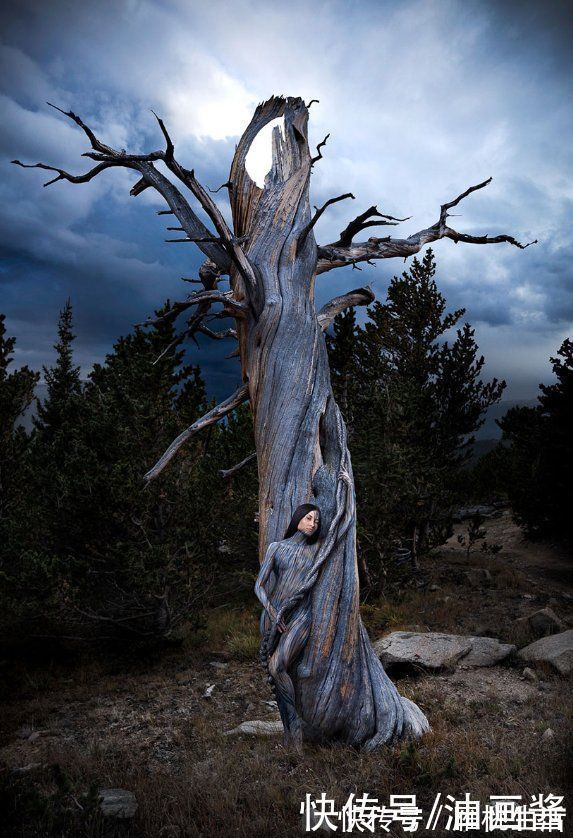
(259, 158)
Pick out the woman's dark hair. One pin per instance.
(297, 517)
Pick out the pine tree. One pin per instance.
(16, 395)
(416, 399)
(341, 347)
(540, 458)
(63, 383)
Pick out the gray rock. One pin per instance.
(486, 651)
(257, 728)
(529, 674)
(433, 650)
(545, 621)
(478, 576)
(556, 649)
(548, 735)
(117, 803)
(25, 769)
(430, 650)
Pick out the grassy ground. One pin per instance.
(79, 724)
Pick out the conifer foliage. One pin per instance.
(16, 396)
(93, 549)
(414, 399)
(539, 461)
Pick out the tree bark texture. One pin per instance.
(342, 691)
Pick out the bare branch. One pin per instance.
(237, 398)
(228, 184)
(361, 222)
(63, 175)
(334, 256)
(194, 239)
(96, 144)
(229, 471)
(169, 147)
(235, 308)
(306, 230)
(107, 157)
(356, 297)
(319, 146)
(227, 333)
(170, 347)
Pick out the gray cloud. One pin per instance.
(421, 99)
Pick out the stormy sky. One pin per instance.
(421, 98)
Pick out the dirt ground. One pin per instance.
(156, 726)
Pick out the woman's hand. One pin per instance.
(345, 476)
(280, 621)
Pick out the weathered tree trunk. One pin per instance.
(342, 689)
(272, 260)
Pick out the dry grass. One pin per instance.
(241, 787)
(144, 724)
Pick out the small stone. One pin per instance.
(257, 728)
(548, 735)
(209, 691)
(25, 769)
(529, 674)
(435, 588)
(218, 664)
(117, 803)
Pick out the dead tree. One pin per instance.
(272, 259)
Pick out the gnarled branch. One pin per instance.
(318, 155)
(356, 297)
(306, 230)
(234, 469)
(227, 333)
(234, 307)
(107, 157)
(237, 398)
(334, 256)
(362, 221)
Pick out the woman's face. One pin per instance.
(309, 523)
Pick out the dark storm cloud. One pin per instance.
(421, 100)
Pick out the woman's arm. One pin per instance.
(262, 579)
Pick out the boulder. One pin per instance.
(556, 649)
(486, 651)
(117, 803)
(430, 650)
(257, 728)
(433, 650)
(545, 621)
